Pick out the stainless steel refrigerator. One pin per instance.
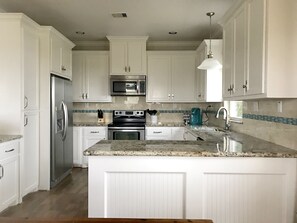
(61, 129)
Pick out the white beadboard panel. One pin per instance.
(145, 195)
(244, 198)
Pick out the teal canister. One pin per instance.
(196, 116)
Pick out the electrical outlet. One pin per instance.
(279, 106)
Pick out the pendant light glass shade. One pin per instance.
(210, 63)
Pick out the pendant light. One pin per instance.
(210, 63)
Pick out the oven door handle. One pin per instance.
(126, 128)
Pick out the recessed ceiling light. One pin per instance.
(80, 33)
(119, 15)
(173, 33)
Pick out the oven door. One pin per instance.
(125, 134)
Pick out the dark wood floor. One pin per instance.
(68, 199)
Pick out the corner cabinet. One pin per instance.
(257, 40)
(171, 76)
(209, 81)
(61, 55)
(90, 79)
(9, 174)
(127, 55)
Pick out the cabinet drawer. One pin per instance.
(154, 131)
(9, 149)
(95, 131)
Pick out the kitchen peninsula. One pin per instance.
(228, 178)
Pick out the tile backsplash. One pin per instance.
(261, 118)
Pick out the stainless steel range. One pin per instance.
(127, 125)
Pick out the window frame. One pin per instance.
(227, 105)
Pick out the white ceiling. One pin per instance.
(154, 18)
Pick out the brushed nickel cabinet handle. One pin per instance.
(157, 132)
(83, 95)
(25, 102)
(63, 68)
(129, 69)
(25, 120)
(125, 69)
(94, 131)
(2, 171)
(86, 95)
(8, 151)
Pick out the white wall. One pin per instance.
(2, 10)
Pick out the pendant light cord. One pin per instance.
(210, 34)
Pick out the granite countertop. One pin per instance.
(231, 145)
(89, 124)
(6, 138)
(165, 124)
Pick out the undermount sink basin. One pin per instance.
(209, 129)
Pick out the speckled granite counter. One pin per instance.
(165, 124)
(233, 145)
(89, 124)
(6, 138)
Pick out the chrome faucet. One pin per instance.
(226, 117)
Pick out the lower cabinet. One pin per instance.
(224, 189)
(9, 174)
(188, 136)
(83, 138)
(164, 133)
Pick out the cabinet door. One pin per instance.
(66, 66)
(97, 77)
(118, 57)
(228, 70)
(159, 78)
(77, 146)
(256, 32)
(9, 182)
(30, 164)
(201, 76)
(78, 78)
(184, 87)
(177, 133)
(56, 54)
(239, 52)
(31, 68)
(136, 58)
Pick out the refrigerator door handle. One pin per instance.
(65, 113)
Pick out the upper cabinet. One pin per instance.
(127, 55)
(259, 50)
(209, 81)
(61, 55)
(171, 76)
(91, 76)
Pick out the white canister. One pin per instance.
(154, 119)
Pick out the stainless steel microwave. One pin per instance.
(127, 85)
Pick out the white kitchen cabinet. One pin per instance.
(209, 81)
(127, 55)
(188, 136)
(9, 174)
(164, 133)
(30, 155)
(224, 189)
(19, 91)
(92, 135)
(257, 40)
(77, 146)
(61, 55)
(177, 133)
(171, 76)
(90, 79)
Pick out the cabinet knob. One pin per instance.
(245, 86)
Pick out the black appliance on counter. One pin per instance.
(127, 125)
